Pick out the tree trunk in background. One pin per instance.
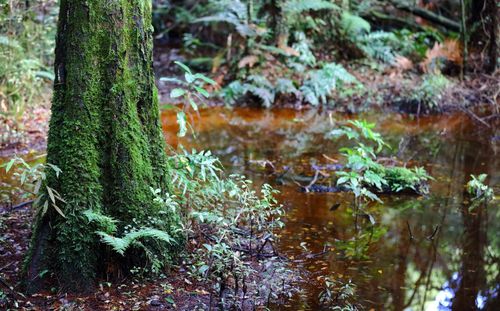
(278, 23)
(105, 135)
(484, 21)
(494, 32)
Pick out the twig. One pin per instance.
(315, 179)
(434, 233)
(409, 230)
(21, 205)
(474, 116)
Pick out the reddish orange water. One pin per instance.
(458, 267)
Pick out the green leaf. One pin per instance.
(205, 78)
(181, 120)
(51, 194)
(175, 93)
(193, 104)
(202, 91)
(9, 165)
(58, 210)
(189, 77)
(184, 67)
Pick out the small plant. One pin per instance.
(255, 85)
(191, 91)
(238, 226)
(32, 179)
(152, 237)
(338, 296)
(26, 48)
(364, 175)
(430, 92)
(322, 82)
(478, 191)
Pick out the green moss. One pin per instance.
(104, 134)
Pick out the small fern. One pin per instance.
(299, 6)
(430, 92)
(231, 12)
(103, 222)
(379, 45)
(302, 46)
(322, 82)
(255, 85)
(286, 86)
(120, 245)
(353, 25)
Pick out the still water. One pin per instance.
(410, 253)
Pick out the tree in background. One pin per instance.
(105, 136)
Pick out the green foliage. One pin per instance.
(379, 45)
(26, 48)
(300, 6)
(104, 222)
(430, 92)
(120, 245)
(478, 190)
(320, 83)
(353, 25)
(254, 85)
(363, 174)
(32, 179)
(191, 90)
(303, 46)
(337, 295)
(149, 235)
(234, 13)
(237, 225)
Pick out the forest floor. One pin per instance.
(174, 290)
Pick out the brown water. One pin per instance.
(453, 259)
(457, 269)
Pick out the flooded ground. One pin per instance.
(410, 253)
(421, 253)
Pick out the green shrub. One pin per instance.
(26, 53)
(430, 92)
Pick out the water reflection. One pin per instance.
(420, 253)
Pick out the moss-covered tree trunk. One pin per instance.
(104, 135)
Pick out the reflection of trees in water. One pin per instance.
(462, 258)
(462, 289)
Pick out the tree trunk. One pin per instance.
(278, 23)
(484, 21)
(104, 135)
(493, 34)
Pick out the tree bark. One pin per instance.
(278, 23)
(493, 34)
(104, 135)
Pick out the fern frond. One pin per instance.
(322, 82)
(379, 45)
(354, 25)
(120, 245)
(104, 222)
(299, 6)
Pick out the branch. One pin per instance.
(428, 15)
(391, 21)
